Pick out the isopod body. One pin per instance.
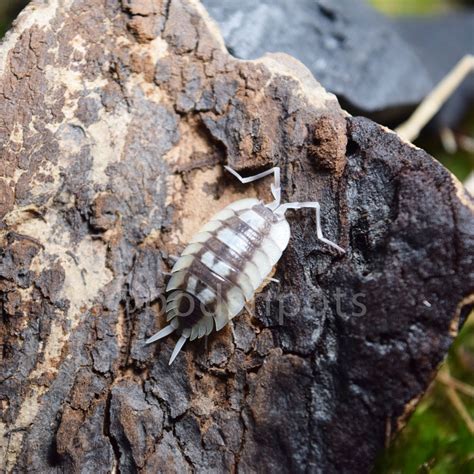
(226, 262)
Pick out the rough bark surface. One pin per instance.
(115, 121)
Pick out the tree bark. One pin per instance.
(116, 119)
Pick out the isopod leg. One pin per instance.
(179, 345)
(160, 334)
(274, 280)
(314, 205)
(275, 187)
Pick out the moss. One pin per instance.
(437, 439)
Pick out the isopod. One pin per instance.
(226, 262)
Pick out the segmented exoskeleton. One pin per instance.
(227, 261)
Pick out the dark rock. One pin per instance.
(440, 42)
(352, 50)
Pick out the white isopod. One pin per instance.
(227, 261)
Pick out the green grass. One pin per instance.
(436, 438)
(3, 26)
(412, 7)
(9, 10)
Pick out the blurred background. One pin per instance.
(439, 437)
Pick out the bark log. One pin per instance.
(116, 119)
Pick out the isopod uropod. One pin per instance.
(227, 261)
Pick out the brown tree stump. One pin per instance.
(115, 121)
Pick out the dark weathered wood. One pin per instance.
(116, 120)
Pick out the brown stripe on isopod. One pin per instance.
(223, 269)
(225, 253)
(212, 289)
(240, 227)
(266, 213)
(186, 281)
